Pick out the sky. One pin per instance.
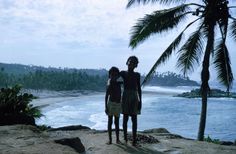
(83, 34)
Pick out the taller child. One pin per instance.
(132, 97)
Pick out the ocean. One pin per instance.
(160, 110)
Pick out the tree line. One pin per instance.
(55, 80)
(80, 80)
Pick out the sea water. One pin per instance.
(176, 114)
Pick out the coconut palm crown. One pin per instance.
(211, 17)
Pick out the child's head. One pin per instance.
(132, 62)
(113, 72)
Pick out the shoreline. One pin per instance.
(94, 115)
(45, 99)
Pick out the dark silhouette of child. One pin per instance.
(113, 102)
(132, 97)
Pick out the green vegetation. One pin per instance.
(43, 127)
(55, 80)
(208, 139)
(212, 93)
(15, 107)
(211, 17)
(19, 69)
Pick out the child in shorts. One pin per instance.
(113, 102)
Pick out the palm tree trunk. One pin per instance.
(203, 115)
(205, 76)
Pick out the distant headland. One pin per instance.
(195, 93)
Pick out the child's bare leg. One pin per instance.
(109, 129)
(134, 128)
(125, 121)
(117, 129)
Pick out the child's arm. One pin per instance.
(106, 98)
(139, 93)
(122, 74)
(107, 95)
(120, 80)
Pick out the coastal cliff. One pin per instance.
(29, 139)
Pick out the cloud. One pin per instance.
(92, 21)
(78, 30)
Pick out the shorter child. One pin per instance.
(113, 102)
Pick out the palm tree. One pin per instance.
(213, 17)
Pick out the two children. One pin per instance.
(131, 99)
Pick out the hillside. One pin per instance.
(17, 69)
(38, 77)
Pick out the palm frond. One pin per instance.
(233, 29)
(157, 22)
(132, 2)
(223, 65)
(167, 53)
(223, 24)
(209, 34)
(222, 19)
(190, 52)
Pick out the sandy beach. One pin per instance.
(46, 97)
(43, 102)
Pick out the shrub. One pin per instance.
(15, 107)
(43, 127)
(209, 139)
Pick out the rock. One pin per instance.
(143, 138)
(212, 93)
(226, 143)
(175, 136)
(72, 142)
(78, 127)
(156, 130)
(162, 132)
(28, 139)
